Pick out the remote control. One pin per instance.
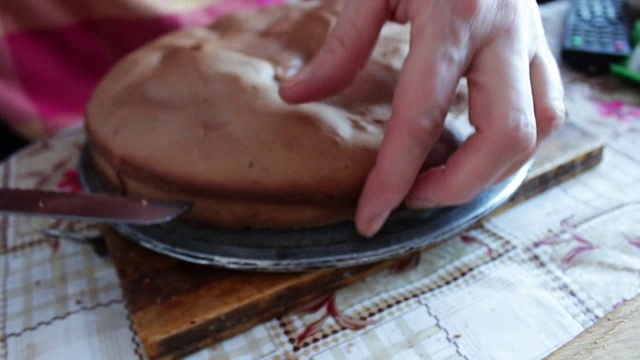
(596, 34)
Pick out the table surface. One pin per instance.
(520, 285)
(615, 336)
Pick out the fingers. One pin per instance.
(501, 109)
(426, 86)
(344, 52)
(548, 99)
(548, 92)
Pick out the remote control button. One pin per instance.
(577, 41)
(612, 14)
(585, 13)
(598, 9)
(620, 45)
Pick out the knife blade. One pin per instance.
(91, 207)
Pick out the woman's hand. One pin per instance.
(515, 95)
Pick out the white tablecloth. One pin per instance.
(517, 286)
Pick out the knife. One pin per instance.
(91, 207)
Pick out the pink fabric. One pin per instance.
(47, 73)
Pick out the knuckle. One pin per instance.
(471, 10)
(450, 58)
(551, 116)
(426, 128)
(519, 137)
(509, 17)
(344, 38)
(336, 44)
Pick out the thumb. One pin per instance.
(345, 51)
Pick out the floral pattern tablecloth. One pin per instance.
(517, 286)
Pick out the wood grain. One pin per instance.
(615, 336)
(178, 307)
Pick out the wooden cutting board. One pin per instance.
(179, 307)
(614, 336)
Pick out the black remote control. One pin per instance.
(596, 34)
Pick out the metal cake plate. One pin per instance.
(337, 245)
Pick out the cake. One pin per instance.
(196, 115)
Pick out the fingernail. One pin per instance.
(301, 76)
(417, 203)
(375, 224)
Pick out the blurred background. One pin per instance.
(10, 141)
